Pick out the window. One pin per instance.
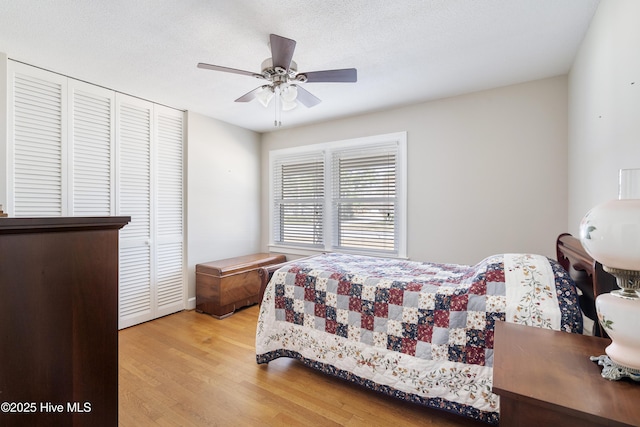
(346, 196)
(299, 200)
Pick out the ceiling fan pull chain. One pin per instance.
(278, 115)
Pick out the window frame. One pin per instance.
(375, 142)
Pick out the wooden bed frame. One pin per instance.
(588, 275)
(586, 272)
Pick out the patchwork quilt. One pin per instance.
(421, 332)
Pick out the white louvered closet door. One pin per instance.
(76, 149)
(37, 129)
(169, 125)
(92, 128)
(150, 189)
(134, 136)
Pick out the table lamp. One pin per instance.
(610, 233)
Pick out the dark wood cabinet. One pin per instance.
(545, 378)
(59, 321)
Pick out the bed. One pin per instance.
(420, 332)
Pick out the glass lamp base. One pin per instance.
(614, 372)
(619, 315)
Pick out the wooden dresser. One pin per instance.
(545, 378)
(59, 321)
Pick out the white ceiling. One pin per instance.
(406, 51)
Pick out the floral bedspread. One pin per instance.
(421, 332)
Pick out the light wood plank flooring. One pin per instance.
(189, 369)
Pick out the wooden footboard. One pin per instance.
(265, 274)
(588, 274)
(267, 271)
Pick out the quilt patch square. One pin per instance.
(344, 288)
(476, 303)
(382, 295)
(369, 293)
(457, 337)
(356, 290)
(408, 346)
(368, 308)
(477, 338)
(474, 355)
(443, 302)
(476, 320)
(427, 301)
(478, 288)
(355, 304)
(320, 310)
(456, 353)
(331, 326)
(381, 309)
(309, 294)
(394, 343)
(367, 322)
(410, 331)
(410, 315)
(458, 319)
(441, 318)
(425, 317)
(459, 302)
(440, 336)
(396, 296)
(425, 332)
(342, 330)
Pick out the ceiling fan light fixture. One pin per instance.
(265, 96)
(288, 105)
(289, 93)
(281, 73)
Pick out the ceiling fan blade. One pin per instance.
(345, 75)
(229, 70)
(249, 96)
(281, 51)
(306, 97)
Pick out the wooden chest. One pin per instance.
(223, 286)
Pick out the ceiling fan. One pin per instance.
(282, 77)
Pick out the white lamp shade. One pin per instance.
(610, 233)
(265, 96)
(289, 93)
(288, 105)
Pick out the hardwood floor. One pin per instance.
(189, 369)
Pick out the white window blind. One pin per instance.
(298, 187)
(347, 196)
(364, 199)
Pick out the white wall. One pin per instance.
(223, 201)
(487, 171)
(604, 105)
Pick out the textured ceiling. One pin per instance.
(406, 51)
